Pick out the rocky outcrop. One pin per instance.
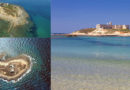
(15, 21)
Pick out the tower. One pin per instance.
(110, 23)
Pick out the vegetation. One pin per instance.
(26, 30)
(4, 25)
(86, 30)
(9, 29)
(10, 10)
(121, 30)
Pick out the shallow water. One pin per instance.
(91, 63)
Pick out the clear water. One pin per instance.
(39, 10)
(95, 63)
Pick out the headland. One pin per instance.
(16, 21)
(13, 13)
(102, 30)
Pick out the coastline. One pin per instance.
(15, 21)
(93, 32)
(29, 70)
(23, 59)
(15, 14)
(105, 35)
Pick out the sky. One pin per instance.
(71, 15)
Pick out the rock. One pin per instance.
(14, 21)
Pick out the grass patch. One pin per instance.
(86, 30)
(10, 10)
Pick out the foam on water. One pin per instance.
(29, 70)
(13, 81)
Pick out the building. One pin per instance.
(125, 26)
(110, 26)
(117, 27)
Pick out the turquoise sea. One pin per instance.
(39, 11)
(90, 63)
(39, 51)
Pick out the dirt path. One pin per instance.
(11, 27)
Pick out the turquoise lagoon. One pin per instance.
(39, 11)
(90, 63)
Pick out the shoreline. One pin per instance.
(75, 35)
(27, 70)
(22, 65)
(13, 13)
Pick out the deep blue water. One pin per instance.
(39, 49)
(39, 10)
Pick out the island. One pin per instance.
(15, 21)
(102, 30)
(12, 69)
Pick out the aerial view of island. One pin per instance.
(12, 69)
(14, 21)
(24, 64)
(20, 20)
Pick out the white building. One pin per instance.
(110, 26)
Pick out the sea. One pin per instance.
(39, 11)
(38, 49)
(90, 63)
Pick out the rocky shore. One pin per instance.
(14, 68)
(13, 13)
(15, 21)
(99, 32)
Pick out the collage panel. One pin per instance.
(90, 47)
(25, 18)
(24, 64)
(25, 45)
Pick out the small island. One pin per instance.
(14, 21)
(102, 30)
(14, 68)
